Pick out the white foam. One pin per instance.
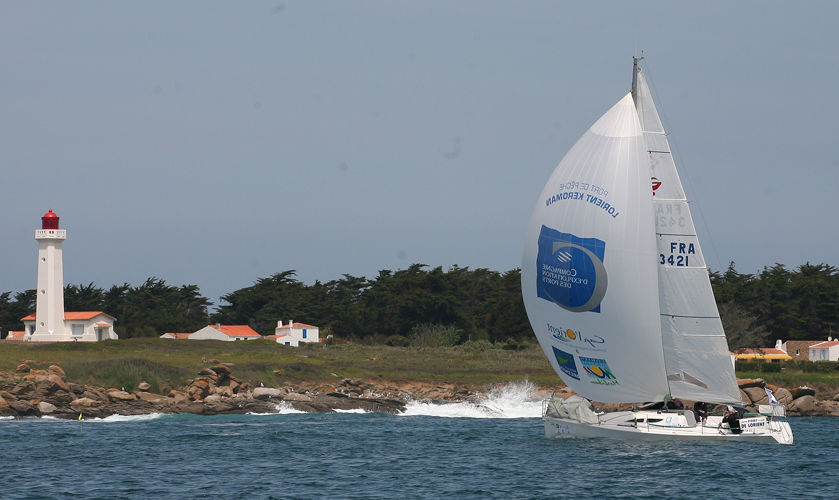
(124, 418)
(356, 410)
(514, 400)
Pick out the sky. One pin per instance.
(216, 143)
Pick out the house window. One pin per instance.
(304, 333)
(288, 343)
(31, 329)
(77, 329)
(797, 352)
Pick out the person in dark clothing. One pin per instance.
(700, 411)
(732, 418)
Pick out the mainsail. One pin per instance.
(613, 278)
(695, 350)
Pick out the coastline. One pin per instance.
(31, 392)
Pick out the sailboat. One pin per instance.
(617, 291)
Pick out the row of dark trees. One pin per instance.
(483, 305)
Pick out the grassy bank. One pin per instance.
(168, 364)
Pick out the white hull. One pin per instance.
(616, 426)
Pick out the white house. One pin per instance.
(825, 351)
(224, 332)
(82, 326)
(294, 333)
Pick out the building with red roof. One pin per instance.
(825, 351)
(293, 333)
(225, 332)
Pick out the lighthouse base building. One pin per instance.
(50, 323)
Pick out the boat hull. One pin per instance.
(774, 432)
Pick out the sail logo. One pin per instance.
(598, 371)
(570, 270)
(576, 337)
(566, 363)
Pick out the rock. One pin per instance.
(121, 396)
(23, 368)
(750, 382)
(151, 397)
(86, 402)
(267, 392)
(30, 362)
(3, 403)
(221, 370)
(45, 407)
(7, 396)
(91, 393)
(76, 388)
(802, 391)
(24, 387)
(178, 396)
(59, 372)
(337, 394)
(24, 409)
(757, 395)
(206, 371)
(144, 386)
(836, 397)
(783, 396)
(804, 404)
(294, 396)
(211, 398)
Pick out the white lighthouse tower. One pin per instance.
(49, 307)
(50, 323)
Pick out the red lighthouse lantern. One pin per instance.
(49, 220)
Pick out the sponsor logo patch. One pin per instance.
(570, 270)
(598, 371)
(566, 363)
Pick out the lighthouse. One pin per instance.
(50, 323)
(49, 308)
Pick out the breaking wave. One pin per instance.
(514, 400)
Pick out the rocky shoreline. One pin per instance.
(38, 392)
(33, 392)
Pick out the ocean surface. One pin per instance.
(494, 449)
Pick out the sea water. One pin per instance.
(495, 448)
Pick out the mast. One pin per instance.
(635, 79)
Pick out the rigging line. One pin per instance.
(673, 148)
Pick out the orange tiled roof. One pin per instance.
(78, 315)
(824, 345)
(237, 330)
(16, 335)
(296, 325)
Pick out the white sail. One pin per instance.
(589, 270)
(695, 349)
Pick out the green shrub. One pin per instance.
(397, 341)
(434, 335)
(771, 367)
(746, 366)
